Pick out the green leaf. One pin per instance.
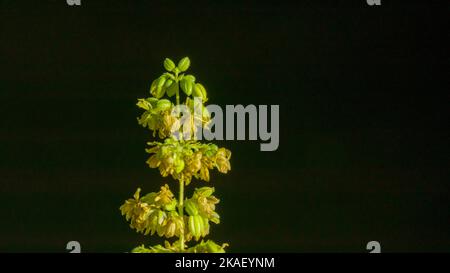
(190, 78)
(163, 104)
(153, 101)
(161, 81)
(171, 206)
(211, 150)
(149, 198)
(169, 75)
(179, 165)
(184, 64)
(153, 86)
(168, 83)
(169, 65)
(196, 92)
(159, 92)
(186, 86)
(202, 90)
(204, 191)
(173, 89)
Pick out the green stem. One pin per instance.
(181, 212)
(177, 95)
(181, 193)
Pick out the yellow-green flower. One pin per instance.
(136, 211)
(172, 226)
(154, 161)
(168, 124)
(207, 206)
(205, 203)
(192, 166)
(165, 196)
(207, 164)
(223, 160)
(204, 173)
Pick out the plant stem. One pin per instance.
(181, 192)
(181, 212)
(177, 94)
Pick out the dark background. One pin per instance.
(363, 94)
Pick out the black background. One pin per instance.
(363, 95)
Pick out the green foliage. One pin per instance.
(184, 64)
(160, 213)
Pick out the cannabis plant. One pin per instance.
(179, 155)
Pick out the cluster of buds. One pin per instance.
(201, 209)
(158, 116)
(164, 118)
(169, 83)
(184, 160)
(154, 213)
